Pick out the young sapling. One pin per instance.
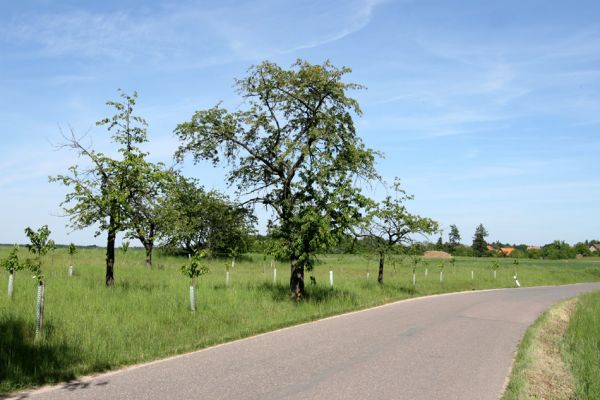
(72, 250)
(39, 246)
(12, 264)
(495, 266)
(194, 269)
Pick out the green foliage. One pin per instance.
(12, 263)
(583, 347)
(389, 224)
(194, 219)
(72, 249)
(293, 149)
(39, 244)
(479, 244)
(453, 239)
(557, 250)
(146, 218)
(196, 266)
(124, 246)
(107, 192)
(35, 266)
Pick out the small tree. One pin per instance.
(12, 264)
(194, 269)
(495, 266)
(72, 250)
(39, 245)
(479, 244)
(389, 224)
(124, 246)
(416, 261)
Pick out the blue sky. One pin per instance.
(489, 112)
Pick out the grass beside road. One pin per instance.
(539, 371)
(146, 316)
(559, 356)
(582, 345)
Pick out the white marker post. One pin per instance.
(368, 275)
(472, 277)
(494, 274)
(426, 271)
(233, 263)
(331, 279)
(274, 276)
(516, 281)
(226, 278)
(414, 279)
(441, 276)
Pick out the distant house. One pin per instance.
(529, 248)
(594, 247)
(505, 251)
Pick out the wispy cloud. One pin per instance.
(189, 32)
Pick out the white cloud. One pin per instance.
(189, 34)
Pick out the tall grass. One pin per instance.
(90, 328)
(583, 346)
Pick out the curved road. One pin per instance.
(455, 346)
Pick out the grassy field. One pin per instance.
(582, 347)
(146, 316)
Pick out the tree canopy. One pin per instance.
(293, 148)
(194, 220)
(479, 245)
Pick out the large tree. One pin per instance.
(103, 192)
(193, 219)
(293, 148)
(479, 244)
(389, 224)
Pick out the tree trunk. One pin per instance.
(296, 279)
(381, 261)
(110, 257)
(148, 245)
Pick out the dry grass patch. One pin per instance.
(549, 377)
(540, 372)
(436, 254)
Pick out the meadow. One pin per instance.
(145, 316)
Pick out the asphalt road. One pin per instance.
(456, 346)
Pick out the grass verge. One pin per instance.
(582, 347)
(539, 371)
